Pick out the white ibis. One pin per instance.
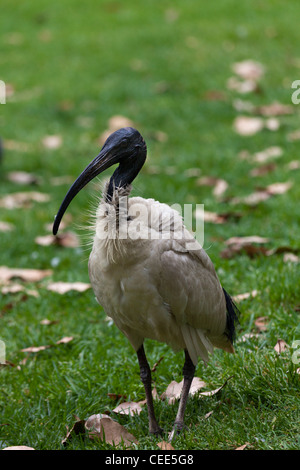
(146, 276)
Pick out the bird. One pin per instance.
(149, 273)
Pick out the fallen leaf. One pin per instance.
(27, 275)
(246, 295)
(48, 322)
(77, 429)
(263, 170)
(22, 177)
(128, 408)
(215, 218)
(67, 239)
(267, 154)
(109, 431)
(208, 414)
(246, 240)
(6, 226)
(65, 340)
(14, 288)
(242, 447)
(261, 323)
(247, 245)
(295, 135)
(249, 69)
(219, 185)
(272, 124)
(52, 142)
(63, 287)
(22, 200)
(217, 390)
(174, 389)
(274, 109)
(246, 126)
(279, 188)
(290, 258)
(294, 165)
(35, 349)
(280, 346)
(18, 448)
(163, 445)
(241, 86)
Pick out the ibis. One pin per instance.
(149, 273)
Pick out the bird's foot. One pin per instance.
(177, 429)
(157, 431)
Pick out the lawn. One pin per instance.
(69, 67)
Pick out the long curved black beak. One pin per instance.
(104, 160)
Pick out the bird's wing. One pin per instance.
(189, 285)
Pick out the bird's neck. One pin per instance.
(123, 176)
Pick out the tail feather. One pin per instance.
(232, 316)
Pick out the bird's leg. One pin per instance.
(188, 375)
(145, 374)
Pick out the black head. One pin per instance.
(125, 146)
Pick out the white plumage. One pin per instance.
(148, 272)
(155, 287)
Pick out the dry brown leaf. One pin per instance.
(247, 245)
(219, 185)
(267, 154)
(241, 86)
(67, 239)
(35, 349)
(279, 188)
(249, 69)
(214, 392)
(52, 142)
(246, 126)
(294, 165)
(22, 177)
(63, 287)
(77, 429)
(163, 445)
(263, 170)
(246, 295)
(18, 448)
(261, 323)
(290, 258)
(246, 240)
(6, 226)
(295, 135)
(14, 288)
(128, 408)
(274, 109)
(22, 200)
(174, 389)
(49, 322)
(280, 346)
(108, 430)
(242, 447)
(27, 275)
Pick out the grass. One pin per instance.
(73, 65)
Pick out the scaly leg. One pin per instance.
(145, 374)
(188, 375)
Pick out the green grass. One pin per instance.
(75, 64)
